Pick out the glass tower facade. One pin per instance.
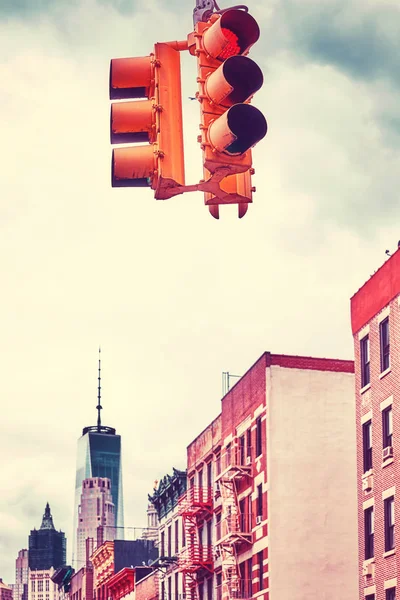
(99, 455)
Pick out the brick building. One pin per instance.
(270, 509)
(20, 589)
(171, 535)
(6, 592)
(375, 318)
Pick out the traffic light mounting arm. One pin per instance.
(205, 8)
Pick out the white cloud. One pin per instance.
(173, 296)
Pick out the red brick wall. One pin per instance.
(204, 444)
(244, 397)
(311, 363)
(384, 478)
(376, 293)
(147, 588)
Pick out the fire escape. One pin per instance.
(196, 558)
(235, 527)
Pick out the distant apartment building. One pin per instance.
(96, 516)
(47, 546)
(6, 591)
(113, 556)
(270, 511)
(40, 585)
(375, 318)
(20, 588)
(171, 534)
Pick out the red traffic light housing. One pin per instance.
(147, 113)
(230, 126)
(155, 119)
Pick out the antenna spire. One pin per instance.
(99, 407)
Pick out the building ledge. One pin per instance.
(365, 388)
(389, 553)
(387, 462)
(384, 373)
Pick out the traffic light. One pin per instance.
(230, 125)
(153, 116)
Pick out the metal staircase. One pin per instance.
(196, 557)
(236, 527)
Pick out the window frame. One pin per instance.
(367, 445)
(365, 361)
(384, 344)
(389, 519)
(258, 436)
(390, 593)
(260, 560)
(369, 533)
(387, 427)
(259, 501)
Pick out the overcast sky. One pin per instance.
(173, 296)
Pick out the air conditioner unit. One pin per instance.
(248, 460)
(258, 519)
(368, 570)
(367, 483)
(387, 452)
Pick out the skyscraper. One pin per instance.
(96, 516)
(20, 589)
(47, 547)
(99, 455)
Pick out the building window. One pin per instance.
(218, 526)
(209, 588)
(162, 544)
(248, 443)
(370, 597)
(183, 534)
(40, 586)
(169, 588)
(47, 585)
(258, 437)
(391, 594)
(176, 586)
(259, 501)
(163, 590)
(176, 537)
(218, 463)
(209, 474)
(389, 524)
(250, 577)
(169, 543)
(387, 426)
(242, 449)
(364, 356)
(384, 344)
(369, 532)
(260, 569)
(201, 590)
(367, 445)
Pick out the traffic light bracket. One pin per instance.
(229, 125)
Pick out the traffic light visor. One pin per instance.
(234, 33)
(132, 122)
(237, 130)
(235, 81)
(132, 166)
(131, 78)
